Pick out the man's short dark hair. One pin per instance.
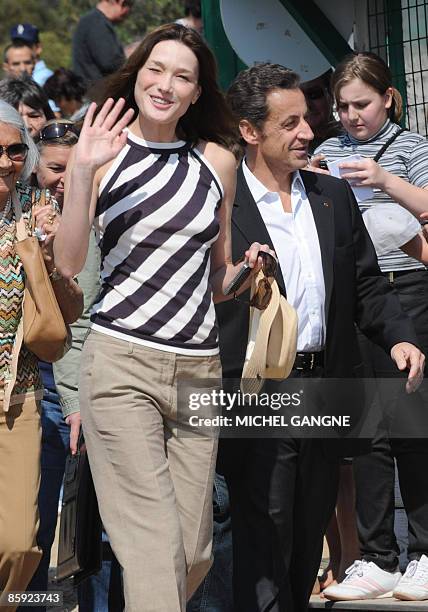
(16, 44)
(248, 93)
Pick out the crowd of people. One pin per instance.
(147, 188)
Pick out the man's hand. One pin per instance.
(407, 356)
(74, 421)
(314, 164)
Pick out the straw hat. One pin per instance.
(272, 340)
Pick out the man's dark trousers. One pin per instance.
(286, 487)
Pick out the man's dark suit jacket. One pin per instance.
(355, 289)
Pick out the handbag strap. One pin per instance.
(41, 202)
(21, 230)
(21, 234)
(389, 142)
(10, 383)
(24, 230)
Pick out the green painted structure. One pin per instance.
(319, 29)
(307, 14)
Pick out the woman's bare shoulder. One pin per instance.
(219, 156)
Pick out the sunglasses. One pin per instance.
(56, 130)
(16, 152)
(315, 94)
(263, 292)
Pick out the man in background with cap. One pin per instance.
(283, 490)
(29, 34)
(97, 50)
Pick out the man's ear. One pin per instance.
(6, 67)
(248, 132)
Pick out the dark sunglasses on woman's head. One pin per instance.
(16, 152)
(56, 130)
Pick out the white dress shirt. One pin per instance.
(295, 240)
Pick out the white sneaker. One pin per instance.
(414, 584)
(363, 581)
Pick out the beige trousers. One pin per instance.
(154, 487)
(20, 447)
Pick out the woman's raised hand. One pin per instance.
(102, 138)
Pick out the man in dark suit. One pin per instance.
(283, 491)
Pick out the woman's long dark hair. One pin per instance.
(209, 118)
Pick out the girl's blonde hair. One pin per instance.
(372, 70)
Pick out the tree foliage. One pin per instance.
(56, 20)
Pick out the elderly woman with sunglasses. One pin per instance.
(19, 374)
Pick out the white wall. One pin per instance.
(341, 15)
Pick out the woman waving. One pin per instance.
(160, 195)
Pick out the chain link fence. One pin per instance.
(398, 33)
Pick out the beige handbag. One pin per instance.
(44, 332)
(272, 340)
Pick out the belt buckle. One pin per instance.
(390, 277)
(312, 362)
(299, 368)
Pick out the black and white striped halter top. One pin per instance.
(156, 219)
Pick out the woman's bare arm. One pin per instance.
(100, 141)
(222, 269)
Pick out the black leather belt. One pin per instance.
(308, 361)
(391, 276)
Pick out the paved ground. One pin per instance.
(384, 605)
(69, 602)
(377, 605)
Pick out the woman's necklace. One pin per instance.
(4, 212)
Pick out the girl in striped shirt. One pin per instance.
(369, 108)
